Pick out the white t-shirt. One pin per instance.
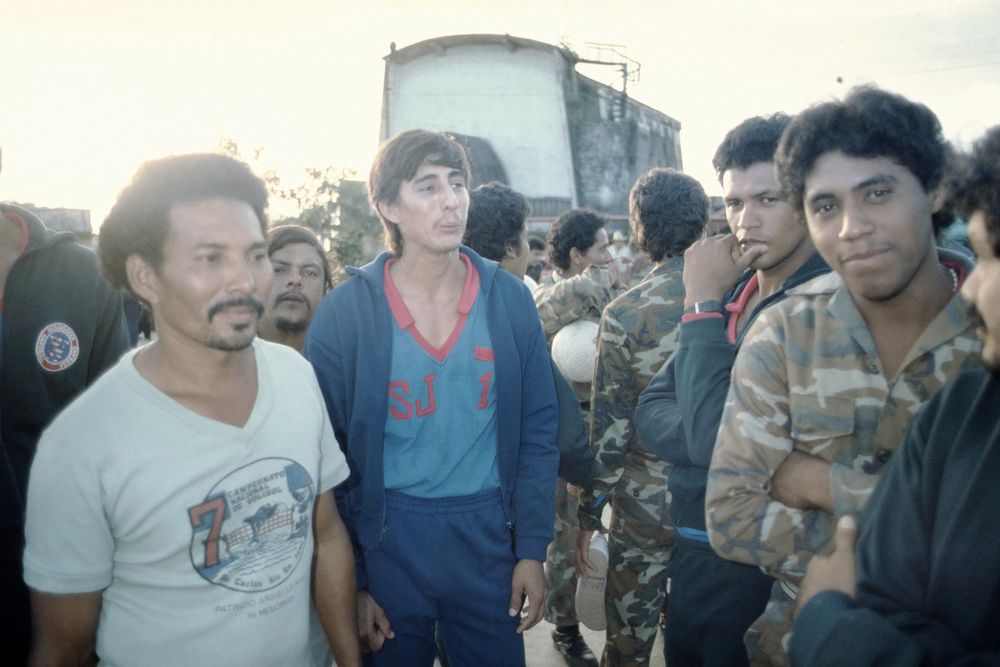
(198, 533)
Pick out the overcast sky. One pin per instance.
(93, 88)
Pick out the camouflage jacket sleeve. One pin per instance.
(569, 299)
(744, 522)
(850, 489)
(613, 398)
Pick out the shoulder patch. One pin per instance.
(57, 347)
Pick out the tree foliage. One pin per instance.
(329, 202)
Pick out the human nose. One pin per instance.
(294, 277)
(853, 223)
(746, 217)
(451, 199)
(242, 277)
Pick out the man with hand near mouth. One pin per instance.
(301, 278)
(728, 281)
(827, 381)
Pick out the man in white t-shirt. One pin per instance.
(178, 510)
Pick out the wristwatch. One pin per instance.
(711, 306)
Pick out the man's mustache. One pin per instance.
(291, 296)
(238, 302)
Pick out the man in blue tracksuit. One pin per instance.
(437, 381)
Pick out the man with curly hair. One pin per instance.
(638, 333)
(579, 287)
(827, 380)
(728, 281)
(927, 589)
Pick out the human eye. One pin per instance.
(823, 209)
(879, 194)
(258, 256)
(311, 273)
(768, 200)
(734, 204)
(428, 188)
(209, 257)
(280, 269)
(458, 185)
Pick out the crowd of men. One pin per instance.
(788, 436)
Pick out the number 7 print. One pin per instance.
(217, 508)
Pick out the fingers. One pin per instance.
(751, 255)
(532, 613)
(382, 624)
(847, 534)
(516, 600)
(375, 626)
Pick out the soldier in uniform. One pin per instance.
(728, 280)
(579, 287)
(667, 212)
(828, 380)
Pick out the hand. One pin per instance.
(373, 625)
(835, 572)
(583, 551)
(572, 490)
(713, 265)
(528, 582)
(802, 481)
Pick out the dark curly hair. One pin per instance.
(667, 211)
(139, 221)
(868, 123)
(576, 228)
(973, 184)
(282, 235)
(752, 141)
(496, 220)
(398, 159)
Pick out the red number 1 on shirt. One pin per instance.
(484, 380)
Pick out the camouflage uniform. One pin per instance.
(808, 378)
(561, 301)
(564, 300)
(639, 331)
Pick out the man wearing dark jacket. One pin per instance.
(61, 325)
(728, 280)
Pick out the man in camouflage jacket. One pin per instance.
(827, 381)
(728, 281)
(667, 212)
(580, 287)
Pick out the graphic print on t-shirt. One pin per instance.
(250, 531)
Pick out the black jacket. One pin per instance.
(62, 326)
(678, 414)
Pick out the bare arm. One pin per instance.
(334, 589)
(65, 629)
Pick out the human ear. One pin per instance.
(142, 279)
